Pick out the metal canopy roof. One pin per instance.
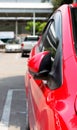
(19, 13)
(25, 5)
(14, 9)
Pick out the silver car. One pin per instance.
(13, 46)
(28, 43)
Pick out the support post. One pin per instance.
(16, 29)
(34, 23)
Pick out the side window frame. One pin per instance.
(74, 23)
(56, 70)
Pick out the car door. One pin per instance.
(41, 100)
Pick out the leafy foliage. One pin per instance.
(41, 27)
(57, 3)
(38, 27)
(29, 26)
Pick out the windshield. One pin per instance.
(12, 42)
(31, 38)
(74, 25)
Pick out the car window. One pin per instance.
(52, 32)
(53, 28)
(48, 42)
(13, 41)
(31, 38)
(58, 22)
(74, 25)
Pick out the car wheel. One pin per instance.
(27, 120)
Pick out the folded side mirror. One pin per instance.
(40, 65)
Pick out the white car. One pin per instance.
(28, 43)
(13, 46)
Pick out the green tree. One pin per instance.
(41, 27)
(29, 27)
(38, 27)
(57, 3)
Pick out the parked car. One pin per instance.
(51, 78)
(28, 44)
(13, 45)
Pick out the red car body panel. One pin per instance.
(55, 109)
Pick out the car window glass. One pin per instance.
(57, 18)
(74, 25)
(48, 43)
(31, 38)
(13, 41)
(57, 25)
(52, 28)
(43, 35)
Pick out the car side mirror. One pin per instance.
(40, 65)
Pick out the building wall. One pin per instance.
(11, 26)
(15, 17)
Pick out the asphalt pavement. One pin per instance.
(12, 91)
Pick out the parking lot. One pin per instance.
(12, 91)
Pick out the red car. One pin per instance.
(51, 78)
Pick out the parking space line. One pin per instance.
(7, 108)
(6, 112)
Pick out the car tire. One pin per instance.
(22, 54)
